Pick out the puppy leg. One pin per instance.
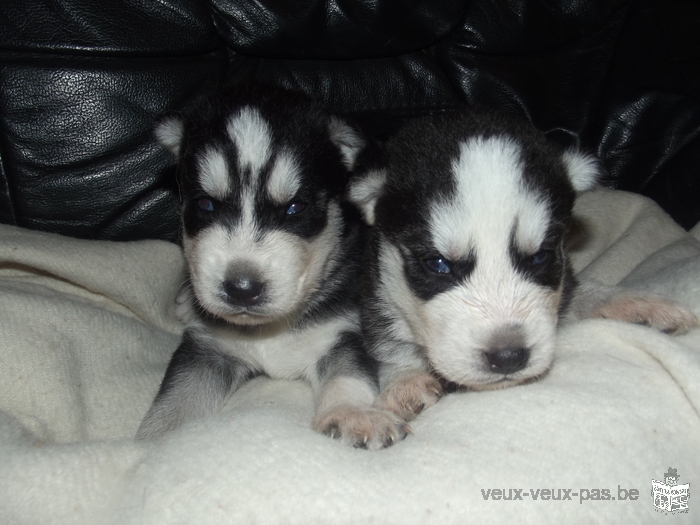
(661, 314)
(346, 387)
(409, 392)
(344, 411)
(196, 383)
(596, 300)
(184, 309)
(407, 386)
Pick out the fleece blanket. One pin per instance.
(87, 328)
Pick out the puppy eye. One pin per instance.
(294, 208)
(438, 265)
(205, 204)
(540, 258)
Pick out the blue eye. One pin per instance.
(438, 265)
(540, 258)
(205, 204)
(295, 207)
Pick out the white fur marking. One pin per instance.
(285, 354)
(365, 191)
(344, 390)
(490, 201)
(169, 133)
(284, 179)
(251, 135)
(347, 140)
(213, 173)
(583, 169)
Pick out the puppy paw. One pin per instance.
(362, 428)
(410, 395)
(184, 311)
(661, 314)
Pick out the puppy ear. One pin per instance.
(347, 139)
(364, 191)
(169, 132)
(584, 170)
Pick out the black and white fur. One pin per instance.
(468, 270)
(273, 258)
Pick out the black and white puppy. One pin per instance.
(273, 257)
(468, 272)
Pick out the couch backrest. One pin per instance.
(81, 82)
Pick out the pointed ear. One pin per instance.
(364, 191)
(584, 170)
(169, 132)
(347, 139)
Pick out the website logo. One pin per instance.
(670, 497)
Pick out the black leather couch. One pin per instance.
(82, 80)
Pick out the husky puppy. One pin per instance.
(273, 259)
(468, 272)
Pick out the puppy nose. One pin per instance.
(507, 360)
(243, 290)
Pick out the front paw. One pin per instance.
(410, 395)
(184, 310)
(361, 427)
(661, 314)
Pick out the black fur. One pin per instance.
(198, 363)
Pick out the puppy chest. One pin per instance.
(286, 355)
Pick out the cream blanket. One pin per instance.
(86, 330)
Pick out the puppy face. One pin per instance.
(261, 176)
(470, 214)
